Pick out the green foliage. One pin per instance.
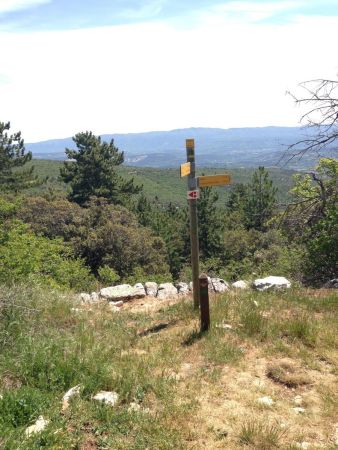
(12, 156)
(313, 218)
(210, 223)
(108, 276)
(24, 256)
(92, 171)
(102, 234)
(261, 200)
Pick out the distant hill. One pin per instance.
(233, 147)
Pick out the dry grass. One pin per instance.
(202, 390)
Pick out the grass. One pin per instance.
(194, 390)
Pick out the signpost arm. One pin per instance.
(192, 185)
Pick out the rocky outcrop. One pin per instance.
(219, 285)
(122, 292)
(151, 288)
(182, 288)
(39, 426)
(110, 398)
(166, 290)
(263, 284)
(241, 284)
(331, 284)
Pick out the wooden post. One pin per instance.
(204, 302)
(192, 185)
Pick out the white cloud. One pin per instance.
(15, 5)
(152, 77)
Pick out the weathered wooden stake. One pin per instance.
(204, 302)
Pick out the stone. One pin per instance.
(84, 297)
(240, 284)
(136, 407)
(266, 401)
(141, 292)
(331, 284)
(191, 286)
(122, 292)
(72, 392)
(166, 290)
(219, 285)
(111, 398)
(183, 288)
(299, 410)
(225, 326)
(304, 445)
(263, 284)
(39, 426)
(117, 304)
(151, 288)
(94, 297)
(113, 308)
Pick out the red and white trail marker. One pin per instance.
(192, 195)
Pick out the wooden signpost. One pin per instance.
(194, 183)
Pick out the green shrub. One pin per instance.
(107, 275)
(25, 256)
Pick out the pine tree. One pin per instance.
(92, 171)
(13, 156)
(261, 200)
(210, 224)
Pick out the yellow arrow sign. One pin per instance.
(190, 144)
(214, 180)
(185, 169)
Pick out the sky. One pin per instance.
(119, 66)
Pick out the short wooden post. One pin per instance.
(204, 302)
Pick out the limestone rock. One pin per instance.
(94, 297)
(266, 401)
(69, 394)
(263, 284)
(219, 285)
(141, 292)
(166, 290)
(84, 297)
(122, 292)
(39, 426)
(117, 304)
(111, 398)
(331, 284)
(182, 288)
(151, 288)
(240, 284)
(299, 410)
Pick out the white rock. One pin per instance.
(262, 284)
(299, 410)
(304, 445)
(94, 297)
(141, 292)
(70, 393)
(266, 401)
(151, 288)
(182, 288)
(219, 285)
(241, 284)
(39, 426)
(225, 326)
(331, 284)
(166, 290)
(84, 297)
(113, 308)
(122, 292)
(118, 304)
(111, 398)
(191, 286)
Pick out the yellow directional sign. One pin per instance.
(185, 169)
(214, 180)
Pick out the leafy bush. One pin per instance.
(25, 256)
(107, 275)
